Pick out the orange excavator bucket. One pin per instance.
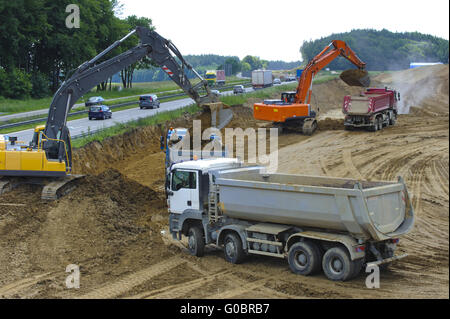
(355, 77)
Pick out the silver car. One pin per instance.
(148, 101)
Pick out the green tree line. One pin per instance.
(205, 62)
(382, 50)
(37, 50)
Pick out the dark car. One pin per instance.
(238, 89)
(148, 101)
(99, 112)
(94, 100)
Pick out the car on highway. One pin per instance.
(238, 89)
(149, 101)
(94, 100)
(216, 92)
(277, 81)
(290, 78)
(99, 112)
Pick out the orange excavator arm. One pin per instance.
(328, 54)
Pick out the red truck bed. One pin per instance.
(372, 101)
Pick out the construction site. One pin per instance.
(114, 224)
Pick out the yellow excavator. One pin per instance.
(47, 159)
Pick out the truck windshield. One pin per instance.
(210, 76)
(184, 179)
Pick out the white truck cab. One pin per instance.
(189, 182)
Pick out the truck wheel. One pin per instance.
(233, 250)
(304, 258)
(392, 120)
(196, 243)
(337, 264)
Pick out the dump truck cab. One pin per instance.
(189, 183)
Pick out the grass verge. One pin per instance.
(10, 106)
(126, 127)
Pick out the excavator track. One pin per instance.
(5, 185)
(309, 127)
(53, 188)
(57, 188)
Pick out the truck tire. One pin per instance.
(380, 123)
(304, 258)
(392, 120)
(196, 243)
(337, 265)
(232, 248)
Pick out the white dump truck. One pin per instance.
(318, 223)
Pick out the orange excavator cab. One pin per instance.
(294, 109)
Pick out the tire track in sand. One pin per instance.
(17, 286)
(127, 283)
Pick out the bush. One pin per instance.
(40, 85)
(15, 84)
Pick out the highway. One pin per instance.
(83, 125)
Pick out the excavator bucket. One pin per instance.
(221, 114)
(356, 77)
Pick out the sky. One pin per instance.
(275, 30)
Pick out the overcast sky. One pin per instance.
(275, 30)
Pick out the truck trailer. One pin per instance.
(317, 223)
(373, 109)
(261, 79)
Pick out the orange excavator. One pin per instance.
(293, 110)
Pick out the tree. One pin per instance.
(255, 62)
(127, 73)
(235, 64)
(383, 50)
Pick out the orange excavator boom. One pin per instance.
(335, 49)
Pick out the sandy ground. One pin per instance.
(114, 224)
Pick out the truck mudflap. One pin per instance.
(386, 260)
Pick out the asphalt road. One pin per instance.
(83, 125)
(4, 118)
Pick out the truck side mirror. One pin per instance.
(398, 98)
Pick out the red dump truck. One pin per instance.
(373, 109)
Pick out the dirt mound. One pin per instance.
(425, 87)
(329, 124)
(107, 226)
(330, 95)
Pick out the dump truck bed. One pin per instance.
(372, 101)
(367, 210)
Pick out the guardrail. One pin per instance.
(165, 97)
